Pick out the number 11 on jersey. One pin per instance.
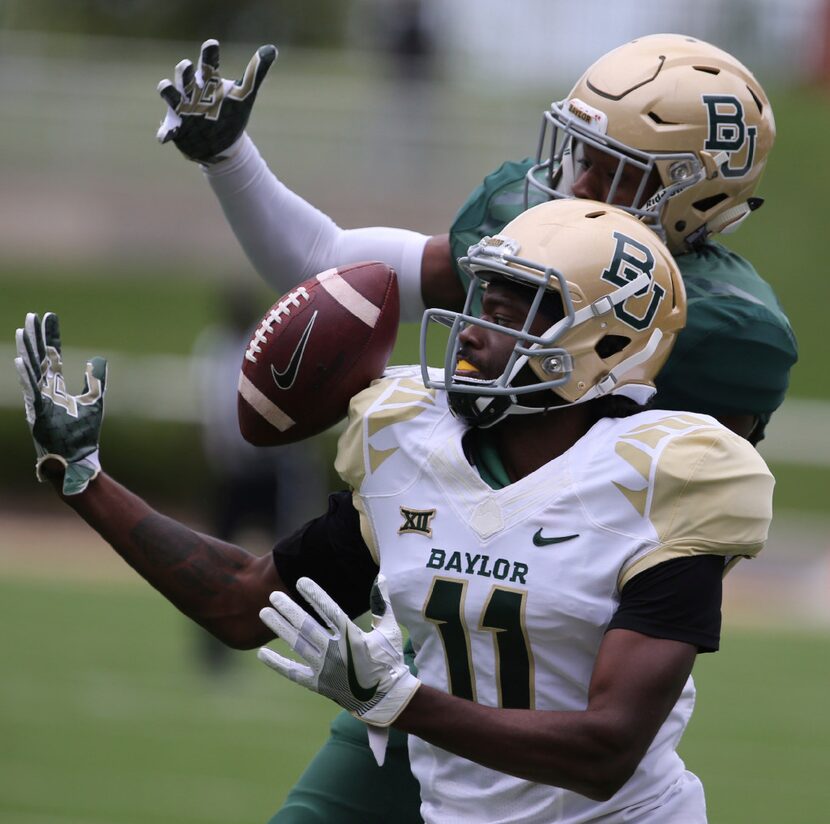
(503, 616)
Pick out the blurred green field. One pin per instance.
(106, 719)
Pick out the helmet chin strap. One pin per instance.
(730, 219)
(607, 386)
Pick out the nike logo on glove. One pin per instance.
(358, 690)
(539, 540)
(285, 379)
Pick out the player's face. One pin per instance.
(484, 353)
(596, 176)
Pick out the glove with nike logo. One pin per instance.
(364, 672)
(206, 114)
(64, 427)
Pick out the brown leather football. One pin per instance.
(317, 347)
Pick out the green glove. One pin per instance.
(207, 114)
(64, 427)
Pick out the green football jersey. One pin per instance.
(735, 353)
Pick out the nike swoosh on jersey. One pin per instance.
(358, 690)
(539, 540)
(285, 379)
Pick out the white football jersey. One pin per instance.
(507, 593)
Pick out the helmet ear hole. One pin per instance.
(610, 345)
(708, 203)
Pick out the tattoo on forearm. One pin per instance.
(195, 565)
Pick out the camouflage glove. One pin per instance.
(364, 672)
(64, 427)
(207, 114)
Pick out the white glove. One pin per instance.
(364, 672)
(64, 427)
(207, 114)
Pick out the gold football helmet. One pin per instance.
(685, 116)
(622, 304)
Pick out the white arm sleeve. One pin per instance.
(287, 240)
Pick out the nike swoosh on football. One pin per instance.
(285, 379)
(358, 690)
(539, 540)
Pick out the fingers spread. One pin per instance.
(323, 605)
(265, 57)
(268, 54)
(295, 626)
(208, 62)
(27, 350)
(52, 331)
(183, 77)
(169, 94)
(34, 337)
(209, 54)
(95, 376)
(285, 666)
(99, 370)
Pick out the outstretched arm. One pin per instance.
(220, 586)
(286, 238)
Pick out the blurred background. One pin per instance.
(112, 707)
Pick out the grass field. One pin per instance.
(104, 717)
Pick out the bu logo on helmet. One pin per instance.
(632, 258)
(728, 132)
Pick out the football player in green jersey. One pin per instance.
(668, 127)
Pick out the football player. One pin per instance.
(671, 128)
(554, 549)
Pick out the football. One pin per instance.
(317, 347)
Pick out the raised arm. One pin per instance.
(286, 238)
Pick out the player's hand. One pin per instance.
(206, 114)
(64, 427)
(364, 672)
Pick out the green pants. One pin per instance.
(344, 784)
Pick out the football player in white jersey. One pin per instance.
(555, 551)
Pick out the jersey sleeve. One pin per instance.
(735, 354)
(331, 551)
(679, 600)
(711, 494)
(492, 205)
